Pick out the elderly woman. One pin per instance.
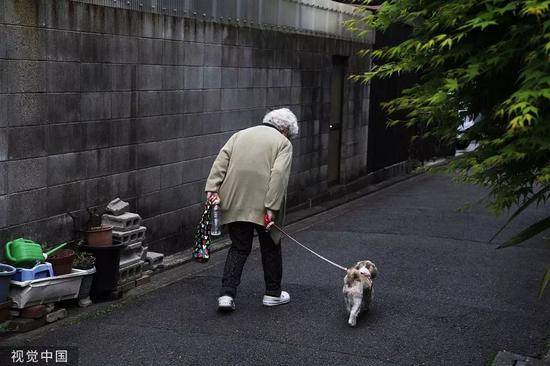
(249, 178)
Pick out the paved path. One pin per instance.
(444, 296)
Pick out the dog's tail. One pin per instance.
(352, 276)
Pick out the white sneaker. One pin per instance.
(226, 303)
(274, 301)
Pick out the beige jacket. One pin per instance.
(251, 175)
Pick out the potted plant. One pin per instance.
(86, 262)
(96, 234)
(62, 261)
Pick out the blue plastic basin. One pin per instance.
(6, 272)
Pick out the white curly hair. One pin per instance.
(281, 119)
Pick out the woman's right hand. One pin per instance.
(213, 197)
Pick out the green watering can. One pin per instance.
(24, 252)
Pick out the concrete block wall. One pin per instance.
(98, 103)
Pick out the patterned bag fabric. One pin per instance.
(201, 251)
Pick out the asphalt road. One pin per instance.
(443, 295)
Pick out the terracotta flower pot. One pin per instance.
(101, 236)
(62, 261)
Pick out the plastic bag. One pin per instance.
(201, 246)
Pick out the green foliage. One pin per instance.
(488, 60)
(84, 260)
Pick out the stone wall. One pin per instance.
(98, 103)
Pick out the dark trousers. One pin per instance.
(242, 234)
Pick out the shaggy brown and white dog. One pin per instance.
(358, 289)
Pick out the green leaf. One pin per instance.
(528, 233)
(544, 283)
(526, 204)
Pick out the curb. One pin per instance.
(506, 358)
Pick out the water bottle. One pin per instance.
(216, 220)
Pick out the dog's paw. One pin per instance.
(352, 322)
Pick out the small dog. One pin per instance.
(358, 289)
